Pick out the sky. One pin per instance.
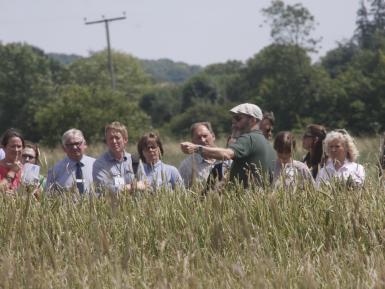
(193, 31)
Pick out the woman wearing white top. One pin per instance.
(342, 154)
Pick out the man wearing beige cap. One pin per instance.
(253, 156)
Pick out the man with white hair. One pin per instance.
(75, 170)
(253, 156)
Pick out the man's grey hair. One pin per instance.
(206, 124)
(72, 132)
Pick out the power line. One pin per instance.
(106, 21)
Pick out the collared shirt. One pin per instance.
(348, 171)
(194, 168)
(2, 154)
(109, 173)
(292, 174)
(161, 174)
(63, 175)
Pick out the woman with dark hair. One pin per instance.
(11, 167)
(155, 173)
(289, 172)
(312, 142)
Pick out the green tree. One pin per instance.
(88, 109)
(27, 81)
(161, 103)
(93, 71)
(291, 25)
(218, 115)
(198, 88)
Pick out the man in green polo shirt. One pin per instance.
(253, 156)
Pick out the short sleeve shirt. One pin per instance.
(254, 157)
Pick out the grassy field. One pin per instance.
(236, 239)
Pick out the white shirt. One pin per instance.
(2, 154)
(349, 170)
(195, 168)
(292, 174)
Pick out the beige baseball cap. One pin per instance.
(248, 109)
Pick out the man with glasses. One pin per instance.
(253, 156)
(75, 170)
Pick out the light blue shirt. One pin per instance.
(2, 154)
(109, 173)
(160, 174)
(63, 175)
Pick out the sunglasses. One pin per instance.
(238, 117)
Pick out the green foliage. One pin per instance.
(202, 110)
(166, 70)
(291, 24)
(161, 104)
(89, 110)
(27, 80)
(93, 71)
(198, 88)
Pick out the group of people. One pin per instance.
(249, 159)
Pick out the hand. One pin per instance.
(141, 186)
(188, 147)
(15, 167)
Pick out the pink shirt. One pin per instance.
(15, 182)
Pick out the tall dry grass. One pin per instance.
(236, 239)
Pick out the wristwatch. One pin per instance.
(199, 150)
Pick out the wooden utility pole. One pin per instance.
(106, 21)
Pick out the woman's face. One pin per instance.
(151, 153)
(28, 155)
(13, 149)
(336, 150)
(307, 142)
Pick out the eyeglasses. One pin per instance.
(151, 147)
(71, 145)
(28, 157)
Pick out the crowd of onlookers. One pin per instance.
(251, 158)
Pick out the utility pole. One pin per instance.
(106, 21)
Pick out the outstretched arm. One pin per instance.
(208, 152)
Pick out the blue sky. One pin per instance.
(194, 31)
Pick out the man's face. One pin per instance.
(267, 128)
(74, 147)
(241, 123)
(202, 136)
(115, 141)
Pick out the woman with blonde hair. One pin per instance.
(341, 165)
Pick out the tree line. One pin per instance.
(345, 88)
